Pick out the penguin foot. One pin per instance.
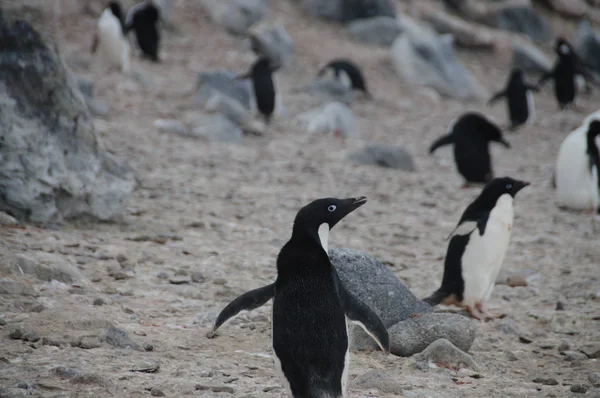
(211, 334)
(476, 313)
(486, 314)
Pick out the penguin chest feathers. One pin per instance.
(112, 43)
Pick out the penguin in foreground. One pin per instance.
(348, 74)
(577, 168)
(477, 248)
(519, 98)
(263, 84)
(471, 134)
(143, 18)
(110, 40)
(310, 306)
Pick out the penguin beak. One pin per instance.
(520, 185)
(504, 142)
(357, 202)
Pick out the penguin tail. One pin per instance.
(437, 297)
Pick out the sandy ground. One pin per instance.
(224, 211)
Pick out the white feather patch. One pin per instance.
(345, 79)
(530, 107)
(465, 228)
(324, 235)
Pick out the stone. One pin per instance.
(380, 380)
(587, 45)
(465, 34)
(388, 156)
(271, 40)
(223, 82)
(529, 58)
(85, 86)
(569, 8)
(215, 388)
(120, 339)
(146, 367)
(156, 392)
(573, 356)
(592, 350)
(423, 58)
(547, 381)
(332, 118)
(413, 335)
(7, 220)
(58, 271)
(162, 275)
(378, 31)
(329, 89)
(64, 371)
(179, 280)
(97, 106)
(444, 352)
(198, 277)
(99, 302)
(9, 286)
(349, 10)
(524, 20)
(170, 126)
(594, 379)
(88, 342)
(25, 385)
(579, 388)
(236, 16)
(559, 306)
(226, 106)
(217, 128)
(51, 177)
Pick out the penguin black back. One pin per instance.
(592, 148)
(143, 19)
(351, 70)
(471, 135)
(261, 75)
(117, 11)
(519, 98)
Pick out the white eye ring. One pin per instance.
(508, 186)
(332, 208)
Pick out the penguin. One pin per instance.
(348, 73)
(470, 134)
(477, 248)
(577, 167)
(519, 99)
(310, 307)
(143, 18)
(110, 40)
(263, 84)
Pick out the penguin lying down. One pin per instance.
(311, 306)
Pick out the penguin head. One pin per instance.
(321, 215)
(501, 186)
(115, 8)
(562, 47)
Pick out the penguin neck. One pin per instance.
(319, 236)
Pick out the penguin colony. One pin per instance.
(311, 306)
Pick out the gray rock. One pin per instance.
(25, 385)
(13, 393)
(236, 16)
(377, 379)
(530, 58)
(379, 31)
(120, 339)
(146, 367)
(411, 336)
(524, 20)
(198, 277)
(573, 356)
(97, 106)
(579, 388)
(25, 335)
(99, 302)
(465, 34)
(85, 86)
(422, 57)
(162, 275)
(62, 272)
(9, 286)
(215, 388)
(329, 89)
(217, 128)
(223, 82)
(25, 264)
(50, 177)
(332, 118)
(270, 39)
(88, 342)
(64, 371)
(228, 107)
(170, 126)
(592, 350)
(587, 45)
(156, 392)
(547, 381)
(594, 379)
(443, 351)
(349, 10)
(166, 9)
(389, 156)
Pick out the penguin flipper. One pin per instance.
(444, 140)
(496, 97)
(247, 301)
(360, 313)
(545, 77)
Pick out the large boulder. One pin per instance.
(379, 31)
(349, 10)
(223, 82)
(529, 58)
(332, 118)
(523, 20)
(422, 57)
(271, 40)
(52, 165)
(236, 16)
(389, 156)
(587, 45)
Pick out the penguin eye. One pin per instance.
(332, 208)
(508, 186)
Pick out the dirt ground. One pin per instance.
(219, 213)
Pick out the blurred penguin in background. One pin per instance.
(519, 99)
(110, 40)
(264, 87)
(348, 74)
(143, 18)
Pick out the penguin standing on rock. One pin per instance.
(348, 74)
(477, 248)
(263, 84)
(519, 98)
(471, 134)
(143, 18)
(577, 168)
(110, 40)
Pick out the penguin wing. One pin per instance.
(469, 222)
(443, 140)
(545, 77)
(362, 314)
(247, 301)
(497, 96)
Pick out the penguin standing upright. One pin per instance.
(310, 332)
(348, 74)
(477, 248)
(143, 18)
(577, 168)
(110, 40)
(471, 134)
(519, 99)
(263, 84)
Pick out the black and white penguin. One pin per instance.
(263, 84)
(471, 134)
(143, 18)
(564, 73)
(347, 73)
(577, 168)
(477, 248)
(310, 332)
(110, 40)
(519, 98)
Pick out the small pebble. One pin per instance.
(162, 275)
(594, 378)
(122, 274)
(198, 277)
(181, 272)
(179, 280)
(547, 381)
(564, 346)
(220, 281)
(215, 388)
(148, 347)
(510, 356)
(155, 392)
(516, 281)
(25, 385)
(2, 321)
(572, 356)
(579, 388)
(560, 306)
(99, 302)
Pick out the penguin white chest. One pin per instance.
(484, 254)
(113, 46)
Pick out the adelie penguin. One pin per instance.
(311, 306)
(143, 18)
(110, 40)
(519, 97)
(264, 88)
(477, 248)
(577, 168)
(348, 74)
(471, 134)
